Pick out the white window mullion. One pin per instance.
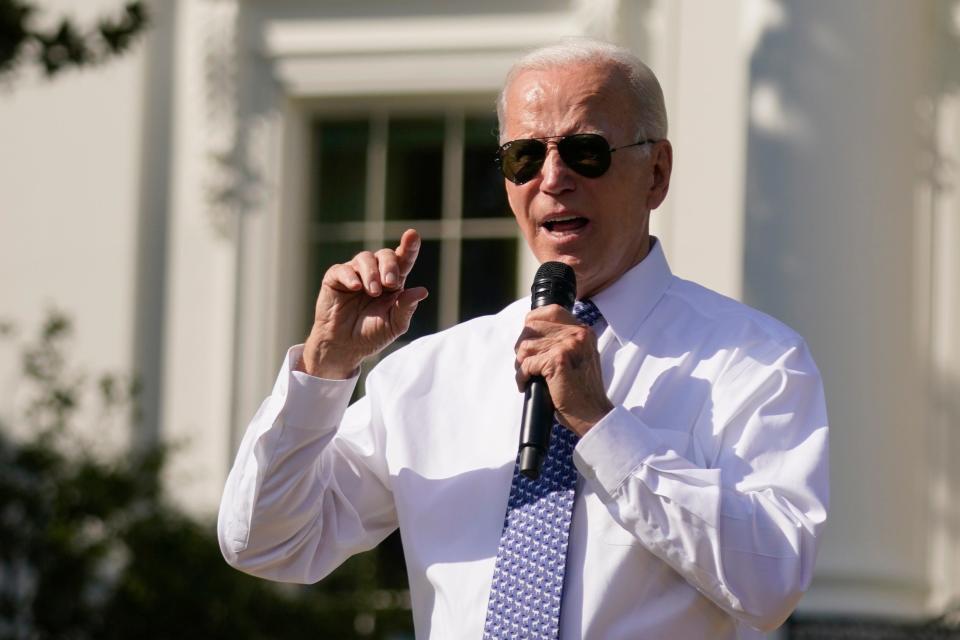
(452, 210)
(374, 216)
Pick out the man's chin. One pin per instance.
(571, 259)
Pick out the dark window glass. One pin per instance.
(340, 154)
(414, 169)
(483, 193)
(487, 277)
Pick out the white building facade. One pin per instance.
(180, 203)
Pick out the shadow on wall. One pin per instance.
(845, 137)
(835, 91)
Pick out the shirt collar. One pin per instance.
(627, 302)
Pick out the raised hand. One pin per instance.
(362, 307)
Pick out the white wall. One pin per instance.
(69, 199)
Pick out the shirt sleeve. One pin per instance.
(742, 528)
(309, 486)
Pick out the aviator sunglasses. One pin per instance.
(586, 153)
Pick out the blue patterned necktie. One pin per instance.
(528, 576)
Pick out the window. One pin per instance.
(374, 176)
(377, 175)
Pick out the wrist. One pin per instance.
(318, 362)
(582, 426)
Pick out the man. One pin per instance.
(700, 459)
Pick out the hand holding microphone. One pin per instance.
(558, 367)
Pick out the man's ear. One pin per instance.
(661, 168)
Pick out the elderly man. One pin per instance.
(686, 484)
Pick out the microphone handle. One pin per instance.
(535, 427)
(554, 283)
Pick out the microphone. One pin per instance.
(555, 283)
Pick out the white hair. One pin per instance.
(651, 112)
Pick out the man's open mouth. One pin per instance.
(566, 223)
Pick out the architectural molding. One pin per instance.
(407, 55)
(361, 36)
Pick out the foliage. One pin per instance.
(90, 546)
(66, 44)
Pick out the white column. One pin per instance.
(697, 50)
(201, 274)
(942, 224)
(833, 247)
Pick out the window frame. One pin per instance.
(451, 229)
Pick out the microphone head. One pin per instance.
(554, 283)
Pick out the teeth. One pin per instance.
(554, 221)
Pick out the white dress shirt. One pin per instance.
(701, 498)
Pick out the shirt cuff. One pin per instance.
(310, 402)
(613, 449)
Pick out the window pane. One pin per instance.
(488, 276)
(414, 169)
(340, 157)
(483, 193)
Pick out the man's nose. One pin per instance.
(557, 176)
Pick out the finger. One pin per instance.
(526, 369)
(552, 313)
(414, 295)
(407, 303)
(532, 345)
(521, 378)
(389, 266)
(366, 265)
(342, 277)
(528, 334)
(408, 251)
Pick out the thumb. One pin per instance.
(406, 305)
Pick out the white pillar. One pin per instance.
(941, 200)
(833, 247)
(697, 50)
(198, 347)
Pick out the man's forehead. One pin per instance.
(579, 82)
(530, 92)
(575, 91)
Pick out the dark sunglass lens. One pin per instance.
(520, 160)
(586, 153)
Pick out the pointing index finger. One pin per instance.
(407, 251)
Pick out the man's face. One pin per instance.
(598, 226)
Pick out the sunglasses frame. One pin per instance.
(574, 166)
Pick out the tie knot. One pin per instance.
(586, 312)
